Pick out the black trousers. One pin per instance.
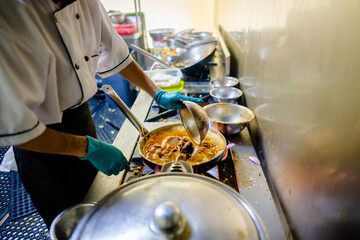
(56, 182)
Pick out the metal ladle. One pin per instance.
(195, 121)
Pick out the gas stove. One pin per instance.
(198, 74)
(224, 171)
(196, 85)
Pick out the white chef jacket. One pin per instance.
(48, 60)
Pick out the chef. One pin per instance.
(50, 53)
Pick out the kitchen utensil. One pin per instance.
(117, 17)
(64, 224)
(228, 118)
(165, 77)
(201, 35)
(160, 33)
(125, 29)
(226, 94)
(189, 44)
(194, 58)
(183, 32)
(224, 82)
(195, 121)
(171, 41)
(200, 167)
(145, 53)
(174, 204)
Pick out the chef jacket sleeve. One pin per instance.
(114, 51)
(22, 89)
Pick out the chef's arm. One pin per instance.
(105, 157)
(54, 142)
(134, 74)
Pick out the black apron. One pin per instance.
(56, 182)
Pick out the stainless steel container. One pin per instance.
(228, 118)
(224, 82)
(201, 35)
(226, 94)
(172, 205)
(160, 33)
(64, 224)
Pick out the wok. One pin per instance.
(199, 168)
(195, 57)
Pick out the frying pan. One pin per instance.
(195, 57)
(199, 168)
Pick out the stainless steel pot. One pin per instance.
(174, 204)
(228, 118)
(64, 224)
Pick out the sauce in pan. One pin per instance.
(175, 145)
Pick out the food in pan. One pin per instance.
(175, 145)
(169, 51)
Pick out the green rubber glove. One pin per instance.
(105, 157)
(170, 100)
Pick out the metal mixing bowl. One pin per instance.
(117, 17)
(226, 94)
(228, 118)
(160, 33)
(224, 82)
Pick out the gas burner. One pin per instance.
(224, 171)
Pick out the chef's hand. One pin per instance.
(105, 157)
(170, 100)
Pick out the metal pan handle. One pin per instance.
(142, 51)
(108, 90)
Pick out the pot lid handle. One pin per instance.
(168, 220)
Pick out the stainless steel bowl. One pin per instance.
(224, 82)
(228, 118)
(64, 224)
(226, 94)
(160, 33)
(201, 35)
(117, 17)
(171, 41)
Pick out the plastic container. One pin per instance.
(165, 78)
(125, 29)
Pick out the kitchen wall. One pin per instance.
(178, 14)
(299, 65)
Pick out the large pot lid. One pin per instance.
(173, 206)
